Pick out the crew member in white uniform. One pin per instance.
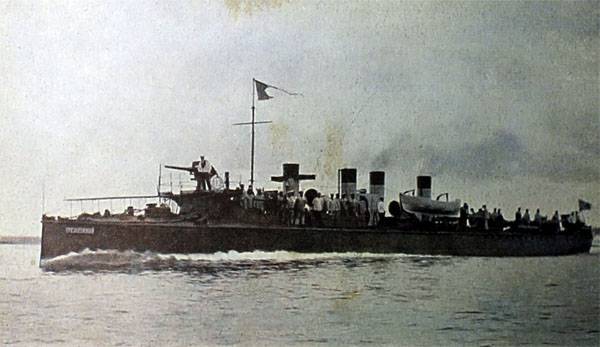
(205, 171)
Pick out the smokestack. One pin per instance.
(348, 181)
(291, 177)
(424, 186)
(291, 169)
(377, 183)
(226, 180)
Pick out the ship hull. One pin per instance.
(60, 237)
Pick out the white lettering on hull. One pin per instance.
(79, 230)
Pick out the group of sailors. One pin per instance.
(364, 210)
(482, 219)
(486, 220)
(333, 210)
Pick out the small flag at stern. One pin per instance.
(584, 205)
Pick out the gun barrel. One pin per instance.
(188, 169)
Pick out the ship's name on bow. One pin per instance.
(79, 230)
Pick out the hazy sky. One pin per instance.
(498, 100)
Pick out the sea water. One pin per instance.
(283, 298)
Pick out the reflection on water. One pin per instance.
(282, 298)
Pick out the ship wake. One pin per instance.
(136, 262)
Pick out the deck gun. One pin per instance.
(193, 170)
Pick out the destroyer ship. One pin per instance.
(216, 217)
(228, 218)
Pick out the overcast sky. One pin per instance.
(498, 100)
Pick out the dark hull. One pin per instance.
(189, 238)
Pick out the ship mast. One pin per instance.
(253, 122)
(252, 148)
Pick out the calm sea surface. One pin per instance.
(281, 298)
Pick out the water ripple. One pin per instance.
(281, 298)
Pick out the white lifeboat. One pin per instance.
(424, 205)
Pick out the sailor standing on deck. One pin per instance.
(462, 218)
(500, 219)
(317, 210)
(299, 209)
(556, 221)
(518, 217)
(259, 201)
(363, 210)
(329, 203)
(355, 209)
(486, 217)
(290, 203)
(336, 208)
(381, 211)
(205, 172)
(250, 196)
(281, 207)
(472, 218)
(537, 219)
(526, 217)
